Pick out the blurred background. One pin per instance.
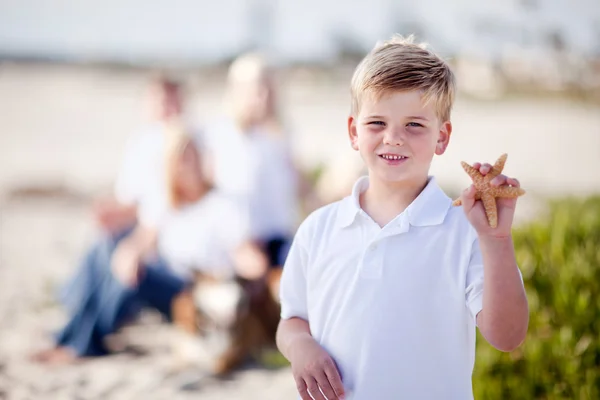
(72, 81)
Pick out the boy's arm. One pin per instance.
(504, 318)
(504, 314)
(313, 368)
(289, 332)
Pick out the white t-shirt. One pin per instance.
(256, 168)
(203, 236)
(395, 306)
(142, 170)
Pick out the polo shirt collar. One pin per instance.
(428, 209)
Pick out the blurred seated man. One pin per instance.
(140, 178)
(142, 166)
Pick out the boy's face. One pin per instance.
(397, 136)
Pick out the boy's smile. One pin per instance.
(393, 159)
(397, 135)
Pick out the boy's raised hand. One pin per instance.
(314, 369)
(506, 206)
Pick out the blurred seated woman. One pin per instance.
(196, 229)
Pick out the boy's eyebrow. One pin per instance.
(409, 117)
(418, 117)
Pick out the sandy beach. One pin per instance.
(62, 131)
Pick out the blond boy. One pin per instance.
(382, 291)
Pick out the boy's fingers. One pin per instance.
(513, 182)
(499, 180)
(302, 389)
(335, 380)
(485, 168)
(477, 165)
(468, 198)
(325, 386)
(313, 389)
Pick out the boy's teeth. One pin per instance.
(391, 157)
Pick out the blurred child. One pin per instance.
(193, 227)
(252, 156)
(382, 291)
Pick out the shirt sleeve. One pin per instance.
(293, 285)
(474, 281)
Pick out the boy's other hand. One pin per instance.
(506, 206)
(315, 371)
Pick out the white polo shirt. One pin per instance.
(395, 306)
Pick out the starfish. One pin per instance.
(488, 193)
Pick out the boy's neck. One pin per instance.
(384, 201)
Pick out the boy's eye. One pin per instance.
(414, 124)
(377, 123)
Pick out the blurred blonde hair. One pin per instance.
(179, 139)
(251, 66)
(400, 64)
(254, 68)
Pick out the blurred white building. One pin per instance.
(203, 31)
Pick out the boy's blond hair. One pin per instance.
(401, 64)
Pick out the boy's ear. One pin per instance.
(352, 133)
(443, 138)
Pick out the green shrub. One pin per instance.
(559, 257)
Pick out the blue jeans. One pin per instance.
(98, 304)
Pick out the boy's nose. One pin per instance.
(393, 137)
